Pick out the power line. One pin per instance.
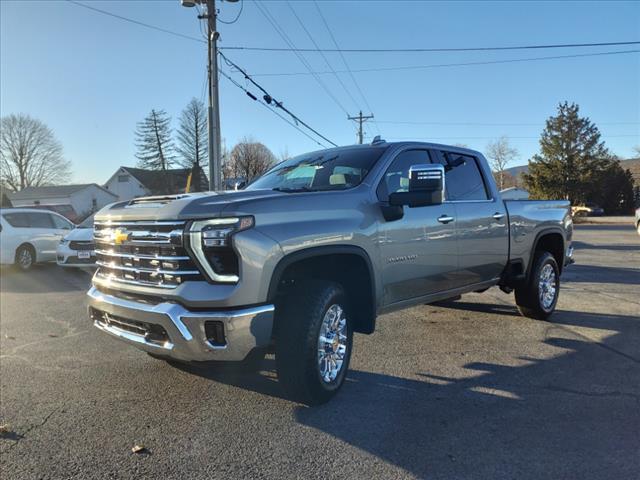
(416, 50)
(344, 60)
(441, 65)
(475, 124)
(237, 16)
(322, 54)
(253, 97)
(270, 99)
(488, 137)
(137, 22)
(265, 12)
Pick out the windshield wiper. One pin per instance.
(293, 190)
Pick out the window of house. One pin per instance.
(123, 178)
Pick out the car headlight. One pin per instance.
(210, 241)
(64, 241)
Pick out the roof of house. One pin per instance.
(174, 180)
(53, 191)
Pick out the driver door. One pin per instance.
(419, 251)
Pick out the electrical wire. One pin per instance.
(344, 60)
(473, 124)
(324, 57)
(442, 65)
(136, 22)
(417, 50)
(253, 97)
(265, 12)
(269, 98)
(237, 16)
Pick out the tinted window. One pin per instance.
(396, 178)
(40, 220)
(60, 222)
(335, 169)
(463, 178)
(17, 220)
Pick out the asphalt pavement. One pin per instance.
(464, 390)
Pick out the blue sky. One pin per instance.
(91, 77)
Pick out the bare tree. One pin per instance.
(500, 153)
(30, 155)
(192, 135)
(153, 141)
(248, 160)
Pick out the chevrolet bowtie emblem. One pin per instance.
(120, 236)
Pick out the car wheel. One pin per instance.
(539, 296)
(314, 337)
(25, 257)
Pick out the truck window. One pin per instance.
(396, 178)
(464, 182)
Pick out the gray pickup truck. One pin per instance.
(313, 251)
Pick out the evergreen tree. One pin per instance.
(193, 136)
(571, 159)
(155, 149)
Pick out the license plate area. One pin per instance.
(84, 255)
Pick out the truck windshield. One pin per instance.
(335, 169)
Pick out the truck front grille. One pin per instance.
(144, 253)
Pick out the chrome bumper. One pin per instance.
(186, 340)
(568, 256)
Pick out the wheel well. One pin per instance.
(29, 246)
(554, 244)
(351, 270)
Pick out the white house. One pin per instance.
(84, 198)
(514, 193)
(129, 182)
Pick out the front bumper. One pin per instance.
(66, 257)
(183, 334)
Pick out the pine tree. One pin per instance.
(571, 158)
(192, 135)
(155, 149)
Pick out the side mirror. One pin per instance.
(426, 187)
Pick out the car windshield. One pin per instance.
(335, 169)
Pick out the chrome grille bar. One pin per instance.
(107, 253)
(147, 270)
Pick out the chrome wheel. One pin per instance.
(332, 343)
(547, 287)
(24, 259)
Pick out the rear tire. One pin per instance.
(538, 297)
(25, 257)
(314, 338)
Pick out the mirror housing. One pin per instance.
(426, 187)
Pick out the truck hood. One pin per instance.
(184, 206)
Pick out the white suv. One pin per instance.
(29, 236)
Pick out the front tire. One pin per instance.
(25, 257)
(538, 297)
(314, 337)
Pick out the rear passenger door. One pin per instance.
(481, 223)
(44, 236)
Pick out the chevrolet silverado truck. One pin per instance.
(315, 250)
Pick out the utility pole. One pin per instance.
(360, 119)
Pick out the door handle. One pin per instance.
(498, 215)
(445, 219)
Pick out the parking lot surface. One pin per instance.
(467, 389)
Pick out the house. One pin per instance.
(84, 198)
(128, 182)
(514, 193)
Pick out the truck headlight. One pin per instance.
(211, 243)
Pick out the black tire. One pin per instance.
(529, 296)
(300, 317)
(25, 257)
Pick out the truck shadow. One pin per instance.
(573, 414)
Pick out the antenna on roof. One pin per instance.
(377, 139)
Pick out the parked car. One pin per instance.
(29, 236)
(316, 249)
(65, 210)
(587, 210)
(77, 248)
(638, 220)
